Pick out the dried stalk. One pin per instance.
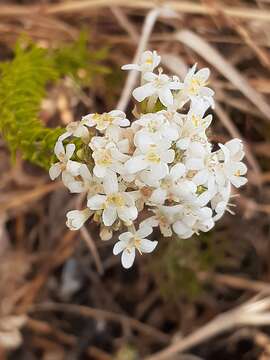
(133, 75)
(253, 313)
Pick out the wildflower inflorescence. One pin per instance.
(162, 163)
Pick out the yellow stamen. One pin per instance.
(116, 200)
(153, 157)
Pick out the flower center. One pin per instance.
(136, 242)
(115, 199)
(103, 119)
(152, 126)
(195, 85)
(103, 157)
(195, 120)
(153, 157)
(149, 61)
(73, 126)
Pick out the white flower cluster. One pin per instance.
(161, 163)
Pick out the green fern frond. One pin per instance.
(23, 86)
(76, 60)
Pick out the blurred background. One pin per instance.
(63, 295)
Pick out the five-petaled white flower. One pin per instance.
(157, 127)
(195, 86)
(232, 168)
(114, 203)
(64, 164)
(77, 129)
(152, 158)
(107, 159)
(103, 121)
(130, 242)
(157, 86)
(149, 60)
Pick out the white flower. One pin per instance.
(76, 218)
(159, 86)
(84, 182)
(232, 169)
(107, 158)
(194, 127)
(114, 204)
(195, 85)
(236, 149)
(164, 217)
(152, 158)
(220, 202)
(203, 163)
(156, 126)
(149, 60)
(192, 219)
(130, 242)
(76, 129)
(103, 121)
(170, 186)
(64, 164)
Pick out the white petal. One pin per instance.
(183, 143)
(117, 113)
(123, 122)
(73, 167)
(59, 150)
(178, 171)
(55, 170)
(109, 215)
(127, 258)
(158, 196)
(144, 231)
(165, 96)
(85, 173)
(76, 218)
(238, 181)
(117, 155)
(170, 133)
(96, 202)
(201, 177)
(135, 164)
(147, 246)
(203, 74)
(194, 164)
(81, 132)
(126, 236)
(180, 228)
(143, 140)
(70, 150)
(158, 171)
(110, 183)
(168, 156)
(130, 67)
(64, 136)
(100, 171)
(197, 149)
(119, 247)
(143, 91)
(205, 197)
(205, 213)
(150, 76)
(207, 225)
(127, 214)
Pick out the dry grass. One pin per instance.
(63, 294)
